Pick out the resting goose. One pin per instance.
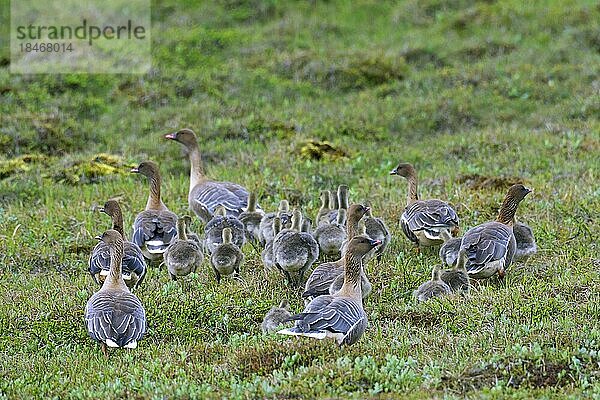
(423, 221)
(251, 219)
(320, 280)
(267, 253)
(155, 227)
(433, 288)
(213, 231)
(276, 317)
(331, 236)
(183, 256)
(449, 250)
(114, 316)
(266, 224)
(205, 194)
(375, 228)
(134, 265)
(526, 246)
(490, 247)
(227, 257)
(457, 278)
(340, 316)
(322, 215)
(294, 251)
(341, 202)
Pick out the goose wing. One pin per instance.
(429, 215)
(133, 259)
(156, 226)
(211, 194)
(116, 317)
(330, 313)
(99, 260)
(320, 280)
(486, 243)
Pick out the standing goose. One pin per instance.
(266, 224)
(275, 317)
(331, 236)
(294, 251)
(340, 202)
(423, 221)
(134, 265)
(114, 316)
(213, 231)
(251, 219)
(320, 280)
(490, 247)
(205, 194)
(375, 228)
(155, 227)
(433, 288)
(457, 278)
(267, 253)
(324, 209)
(188, 230)
(449, 250)
(340, 316)
(183, 256)
(227, 257)
(526, 246)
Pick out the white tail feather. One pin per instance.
(315, 335)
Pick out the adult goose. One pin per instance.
(206, 194)
(134, 264)
(341, 315)
(114, 316)
(156, 226)
(322, 277)
(423, 221)
(490, 247)
(183, 256)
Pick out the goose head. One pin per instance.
(405, 170)
(185, 136)
(147, 168)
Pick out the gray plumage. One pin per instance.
(331, 236)
(365, 284)
(267, 253)
(341, 201)
(276, 317)
(114, 316)
(457, 278)
(294, 251)
(266, 224)
(433, 288)
(251, 219)
(213, 232)
(155, 227)
(375, 228)
(183, 256)
(449, 251)
(341, 315)
(206, 195)
(526, 246)
(227, 257)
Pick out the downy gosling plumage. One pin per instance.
(457, 278)
(227, 257)
(375, 228)
(276, 317)
(114, 316)
(424, 220)
(320, 280)
(340, 316)
(188, 230)
(266, 224)
(267, 253)
(206, 194)
(183, 256)
(331, 236)
(324, 209)
(526, 246)
(251, 219)
(155, 227)
(294, 251)
(490, 247)
(133, 264)
(341, 201)
(433, 288)
(449, 250)
(213, 231)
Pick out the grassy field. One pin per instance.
(477, 94)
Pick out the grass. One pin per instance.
(291, 98)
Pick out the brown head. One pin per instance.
(110, 237)
(148, 169)
(185, 136)
(111, 208)
(436, 273)
(361, 245)
(515, 194)
(405, 170)
(356, 212)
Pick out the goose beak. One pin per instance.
(171, 136)
(98, 237)
(101, 209)
(529, 190)
(367, 209)
(135, 170)
(375, 243)
(394, 172)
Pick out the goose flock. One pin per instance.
(346, 237)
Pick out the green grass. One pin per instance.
(477, 94)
